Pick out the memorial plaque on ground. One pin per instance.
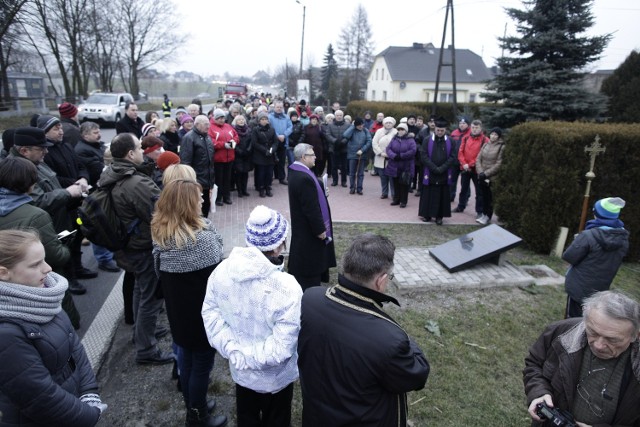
(485, 244)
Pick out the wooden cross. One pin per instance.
(592, 151)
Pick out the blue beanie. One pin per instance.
(608, 208)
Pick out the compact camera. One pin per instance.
(557, 417)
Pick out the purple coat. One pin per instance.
(401, 154)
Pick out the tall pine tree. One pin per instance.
(329, 74)
(540, 79)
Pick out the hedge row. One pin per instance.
(403, 109)
(542, 182)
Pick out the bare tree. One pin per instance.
(355, 51)
(103, 57)
(9, 10)
(148, 36)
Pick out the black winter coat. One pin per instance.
(196, 150)
(171, 141)
(126, 125)
(71, 131)
(62, 159)
(356, 363)
(308, 256)
(43, 371)
(264, 144)
(91, 155)
(244, 153)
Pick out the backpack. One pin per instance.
(99, 221)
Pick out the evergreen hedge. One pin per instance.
(542, 182)
(398, 110)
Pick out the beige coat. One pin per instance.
(381, 139)
(490, 158)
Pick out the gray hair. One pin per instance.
(615, 305)
(368, 256)
(300, 150)
(200, 119)
(87, 127)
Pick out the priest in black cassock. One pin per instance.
(312, 250)
(438, 157)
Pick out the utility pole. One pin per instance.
(451, 64)
(304, 13)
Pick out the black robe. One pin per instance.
(435, 198)
(308, 256)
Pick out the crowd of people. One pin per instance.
(273, 322)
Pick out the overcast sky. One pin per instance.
(243, 37)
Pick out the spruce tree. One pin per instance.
(623, 90)
(329, 71)
(540, 78)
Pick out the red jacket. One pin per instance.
(376, 125)
(219, 136)
(469, 149)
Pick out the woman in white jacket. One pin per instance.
(381, 139)
(251, 314)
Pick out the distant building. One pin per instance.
(405, 74)
(592, 82)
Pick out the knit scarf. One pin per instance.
(603, 222)
(31, 304)
(242, 130)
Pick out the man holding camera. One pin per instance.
(588, 368)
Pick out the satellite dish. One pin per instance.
(403, 85)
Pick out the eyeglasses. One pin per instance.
(310, 155)
(41, 149)
(593, 407)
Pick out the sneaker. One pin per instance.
(484, 220)
(479, 215)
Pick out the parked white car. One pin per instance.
(104, 107)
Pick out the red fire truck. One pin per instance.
(235, 90)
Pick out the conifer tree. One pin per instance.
(623, 90)
(540, 78)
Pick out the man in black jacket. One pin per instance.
(130, 123)
(196, 150)
(356, 363)
(62, 159)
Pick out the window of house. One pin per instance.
(384, 95)
(382, 74)
(446, 97)
(377, 74)
(472, 97)
(373, 95)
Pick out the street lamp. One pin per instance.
(304, 12)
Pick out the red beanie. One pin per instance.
(167, 159)
(67, 110)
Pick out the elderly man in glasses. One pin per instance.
(588, 367)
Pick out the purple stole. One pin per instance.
(322, 199)
(430, 144)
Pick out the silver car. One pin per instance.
(104, 107)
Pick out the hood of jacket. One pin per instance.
(118, 170)
(247, 265)
(10, 201)
(610, 239)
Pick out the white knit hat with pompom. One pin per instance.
(266, 229)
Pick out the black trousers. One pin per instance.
(264, 409)
(223, 173)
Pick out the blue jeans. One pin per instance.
(146, 304)
(195, 367)
(353, 164)
(385, 183)
(290, 158)
(264, 176)
(102, 254)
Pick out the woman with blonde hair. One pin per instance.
(45, 376)
(186, 249)
(178, 171)
(169, 134)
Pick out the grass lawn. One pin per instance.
(477, 361)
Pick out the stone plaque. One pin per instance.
(485, 244)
